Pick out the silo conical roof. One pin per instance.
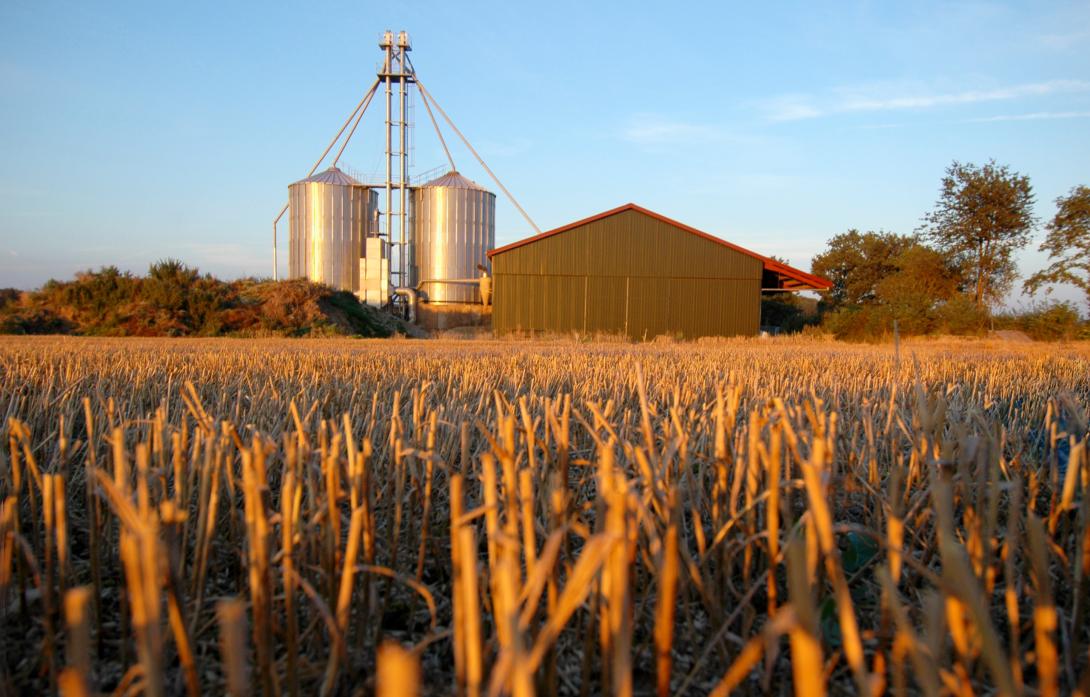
(454, 180)
(333, 176)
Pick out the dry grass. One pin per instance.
(332, 517)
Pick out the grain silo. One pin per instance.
(453, 227)
(420, 254)
(331, 216)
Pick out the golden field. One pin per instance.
(789, 516)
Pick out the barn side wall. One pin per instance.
(627, 274)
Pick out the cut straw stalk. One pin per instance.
(231, 615)
(807, 665)
(288, 508)
(77, 676)
(823, 525)
(398, 672)
(458, 572)
(471, 623)
(666, 602)
(1044, 611)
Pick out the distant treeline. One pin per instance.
(176, 300)
(950, 274)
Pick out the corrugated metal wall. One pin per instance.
(629, 274)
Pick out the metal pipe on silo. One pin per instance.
(275, 221)
(388, 43)
(403, 262)
(410, 299)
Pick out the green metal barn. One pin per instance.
(632, 271)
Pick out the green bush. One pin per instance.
(859, 322)
(961, 316)
(958, 315)
(1053, 321)
(33, 321)
(9, 296)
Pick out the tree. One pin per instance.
(1067, 244)
(923, 281)
(983, 215)
(856, 263)
(879, 277)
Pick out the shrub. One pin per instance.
(1052, 321)
(9, 296)
(176, 300)
(961, 316)
(859, 323)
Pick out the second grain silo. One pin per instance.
(453, 227)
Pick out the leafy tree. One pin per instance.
(879, 277)
(983, 215)
(1067, 244)
(922, 282)
(856, 263)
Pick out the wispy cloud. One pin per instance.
(1035, 116)
(796, 107)
(652, 129)
(1066, 40)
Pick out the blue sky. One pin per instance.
(136, 131)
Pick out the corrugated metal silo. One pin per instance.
(331, 216)
(453, 227)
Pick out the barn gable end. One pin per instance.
(628, 271)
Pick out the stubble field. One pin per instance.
(290, 517)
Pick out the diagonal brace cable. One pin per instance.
(427, 96)
(434, 123)
(359, 118)
(362, 105)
